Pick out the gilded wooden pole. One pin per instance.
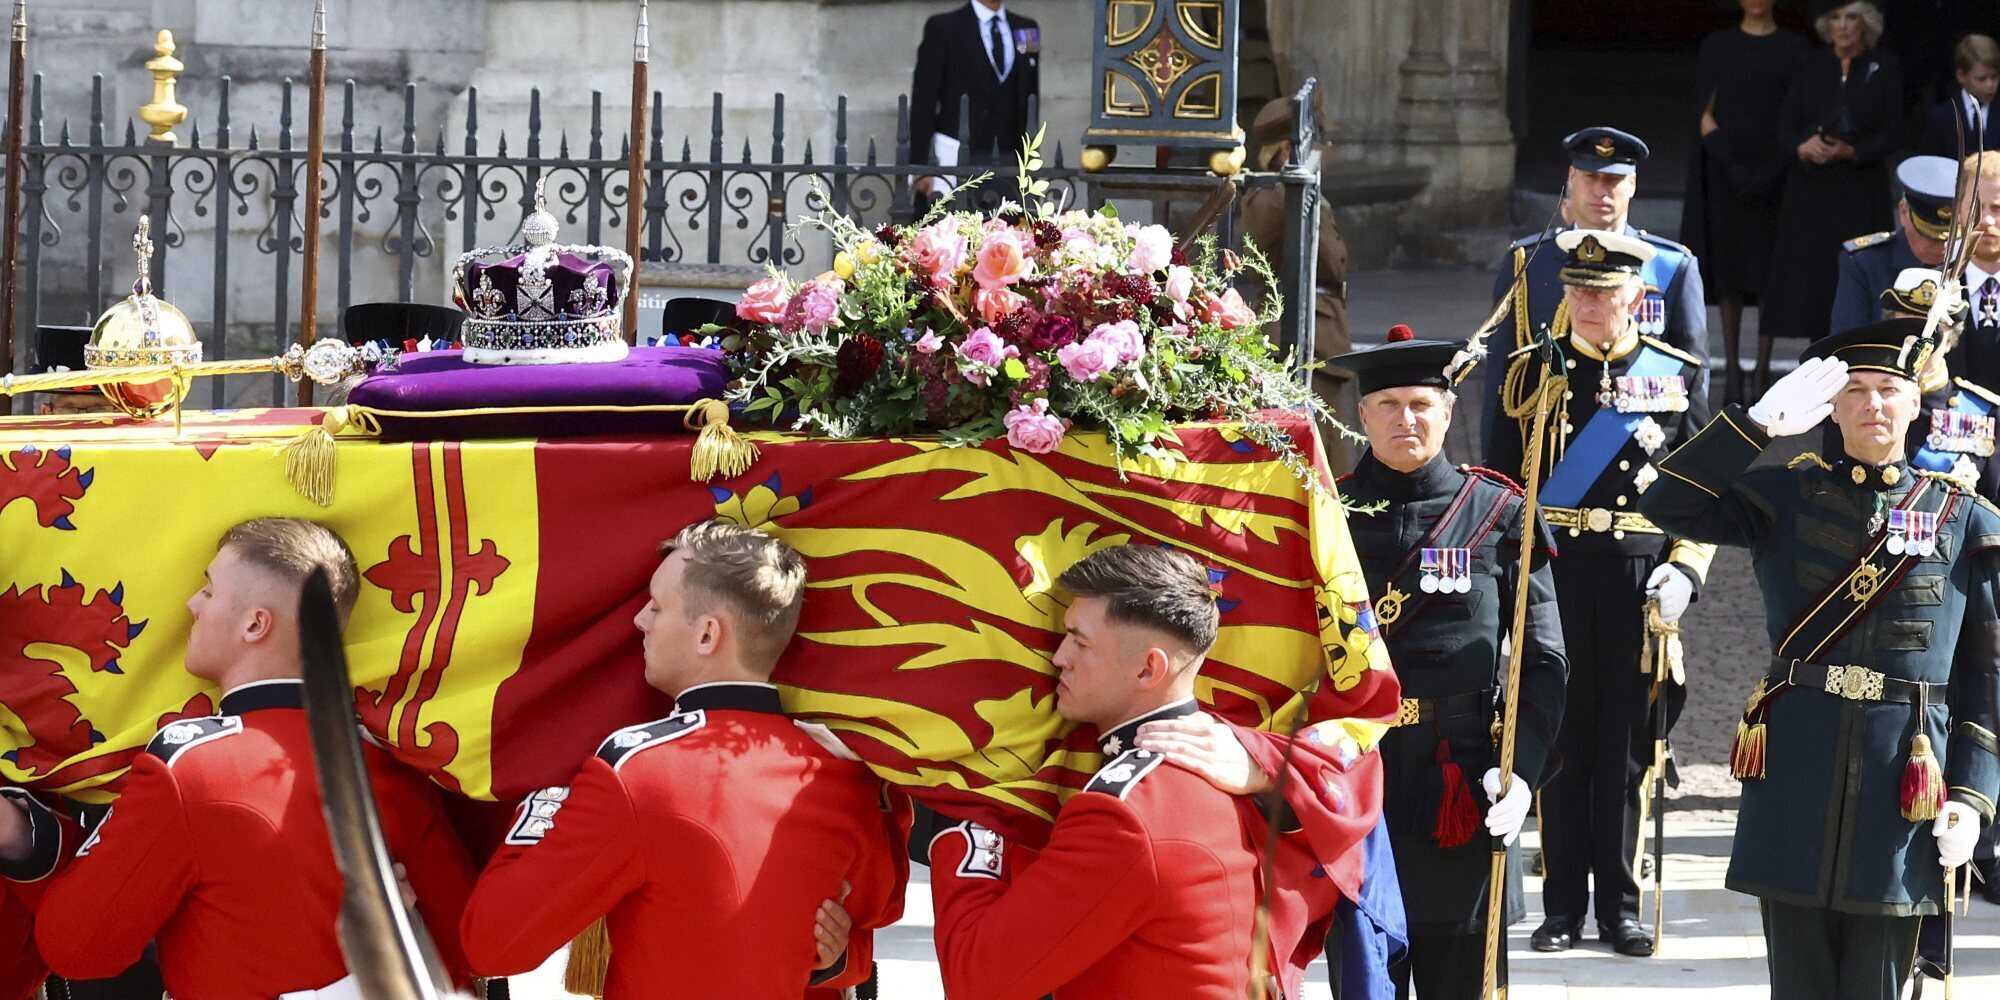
(315, 158)
(635, 186)
(10, 242)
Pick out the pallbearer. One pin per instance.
(1867, 752)
(1442, 557)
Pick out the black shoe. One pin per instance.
(1536, 867)
(1628, 938)
(1555, 934)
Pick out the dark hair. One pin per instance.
(1152, 586)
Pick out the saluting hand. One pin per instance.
(831, 928)
(1799, 401)
(1208, 748)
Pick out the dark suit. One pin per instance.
(1941, 134)
(952, 62)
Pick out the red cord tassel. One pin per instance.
(1923, 782)
(1458, 814)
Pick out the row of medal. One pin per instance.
(1446, 571)
(1967, 433)
(1912, 532)
(1649, 394)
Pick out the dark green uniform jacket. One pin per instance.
(1446, 648)
(1824, 827)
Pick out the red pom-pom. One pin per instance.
(1457, 813)
(1399, 333)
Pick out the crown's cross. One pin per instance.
(142, 247)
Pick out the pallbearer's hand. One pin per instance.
(1956, 829)
(1673, 589)
(1208, 748)
(831, 929)
(1509, 812)
(1800, 400)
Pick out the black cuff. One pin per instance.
(1277, 812)
(45, 840)
(827, 974)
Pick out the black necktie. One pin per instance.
(997, 47)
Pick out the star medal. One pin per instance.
(1912, 532)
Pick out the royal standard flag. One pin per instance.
(493, 644)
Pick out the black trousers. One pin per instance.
(1817, 954)
(1443, 967)
(1590, 808)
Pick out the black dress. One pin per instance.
(1730, 217)
(1823, 206)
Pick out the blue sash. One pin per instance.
(1586, 458)
(1962, 401)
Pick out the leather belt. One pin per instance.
(1415, 710)
(1599, 519)
(1855, 683)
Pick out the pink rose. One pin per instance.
(1180, 285)
(1086, 360)
(815, 307)
(1123, 338)
(986, 352)
(995, 304)
(1031, 428)
(1152, 249)
(929, 342)
(763, 302)
(939, 251)
(1003, 259)
(1227, 311)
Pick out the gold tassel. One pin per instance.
(589, 961)
(312, 458)
(1923, 782)
(1746, 753)
(718, 449)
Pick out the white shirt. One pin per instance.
(1976, 297)
(1975, 112)
(987, 16)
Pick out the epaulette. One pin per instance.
(170, 742)
(1499, 478)
(619, 747)
(1667, 348)
(1533, 238)
(1119, 777)
(1978, 390)
(1970, 488)
(1864, 242)
(1661, 241)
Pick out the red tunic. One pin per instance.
(708, 839)
(1147, 887)
(218, 847)
(53, 836)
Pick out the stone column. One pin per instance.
(1427, 99)
(1486, 141)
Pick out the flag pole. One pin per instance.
(635, 166)
(10, 242)
(315, 158)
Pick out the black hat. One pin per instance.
(1598, 259)
(1930, 185)
(1402, 360)
(1602, 150)
(1897, 346)
(60, 349)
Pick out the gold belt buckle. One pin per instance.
(1854, 683)
(1407, 715)
(1596, 519)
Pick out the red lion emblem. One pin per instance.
(46, 479)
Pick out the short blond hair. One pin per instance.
(1871, 23)
(1975, 50)
(760, 580)
(291, 548)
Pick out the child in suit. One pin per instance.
(1976, 60)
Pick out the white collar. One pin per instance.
(1976, 276)
(987, 14)
(1965, 98)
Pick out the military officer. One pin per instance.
(1867, 752)
(1603, 175)
(1442, 557)
(716, 838)
(1869, 264)
(1630, 397)
(1953, 432)
(215, 845)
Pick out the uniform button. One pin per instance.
(1568, 395)
(1621, 501)
(1618, 535)
(1573, 532)
(1624, 466)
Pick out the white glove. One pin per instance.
(1508, 814)
(1955, 841)
(1674, 590)
(1800, 400)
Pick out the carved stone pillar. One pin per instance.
(1427, 99)
(1485, 150)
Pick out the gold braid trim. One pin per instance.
(1809, 458)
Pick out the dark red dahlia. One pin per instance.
(1179, 255)
(1012, 325)
(1136, 287)
(1048, 235)
(888, 237)
(858, 360)
(1051, 332)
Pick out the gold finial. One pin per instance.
(642, 43)
(319, 26)
(142, 247)
(163, 112)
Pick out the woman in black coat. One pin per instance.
(1730, 217)
(1841, 119)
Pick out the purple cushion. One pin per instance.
(442, 380)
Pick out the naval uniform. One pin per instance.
(707, 840)
(1871, 648)
(1603, 442)
(1147, 887)
(1446, 647)
(217, 847)
(1868, 264)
